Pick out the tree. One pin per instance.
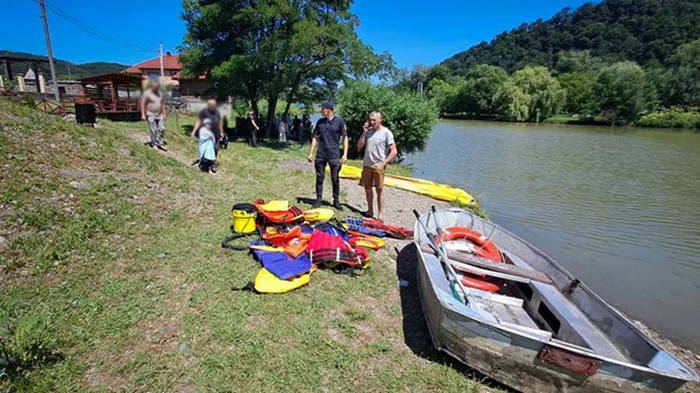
(622, 91)
(444, 94)
(534, 87)
(580, 93)
(578, 61)
(415, 79)
(438, 72)
(265, 48)
(481, 84)
(645, 31)
(683, 78)
(512, 103)
(410, 117)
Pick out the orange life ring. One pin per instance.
(470, 281)
(485, 248)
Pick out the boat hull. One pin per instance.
(515, 359)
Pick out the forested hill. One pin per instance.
(645, 31)
(64, 69)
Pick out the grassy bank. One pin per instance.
(112, 277)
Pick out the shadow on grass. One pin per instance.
(311, 201)
(415, 328)
(277, 145)
(17, 370)
(354, 209)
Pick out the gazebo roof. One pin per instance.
(117, 78)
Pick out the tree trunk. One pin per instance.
(271, 108)
(286, 109)
(254, 106)
(290, 97)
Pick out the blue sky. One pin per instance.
(414, 32)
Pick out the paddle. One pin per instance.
(442, 255)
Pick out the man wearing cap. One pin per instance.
(327, 134)
(153, 110)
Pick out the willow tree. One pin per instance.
(547, 95)
(265, 48)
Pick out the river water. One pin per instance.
(619, 208)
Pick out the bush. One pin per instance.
(671, 118)
(25, 342)
(410, 117)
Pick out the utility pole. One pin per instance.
(162, 72)
(42, 4)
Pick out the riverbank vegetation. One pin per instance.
(619, 62)
(410, 117)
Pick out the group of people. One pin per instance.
(328, 134)
(295, 129)
(379, 150)
(209, 128)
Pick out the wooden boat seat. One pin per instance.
(551, 309)
(509, 314)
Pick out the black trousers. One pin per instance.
(320, 165)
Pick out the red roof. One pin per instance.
(170, 62)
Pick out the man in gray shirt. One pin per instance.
(153, 110)
(380, 150)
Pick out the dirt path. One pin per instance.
(143, 138)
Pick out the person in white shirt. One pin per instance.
(380, 150)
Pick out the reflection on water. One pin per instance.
(619, 208)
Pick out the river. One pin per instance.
(619, 208)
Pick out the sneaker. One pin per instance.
(337, 205)
(163, 148)
(317, 204)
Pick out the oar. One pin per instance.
(442, 256)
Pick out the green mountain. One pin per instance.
(645, 31)
(64, 69)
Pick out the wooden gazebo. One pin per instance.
(112, 95)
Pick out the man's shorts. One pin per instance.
(372, 177)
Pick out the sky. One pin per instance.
(414, 32)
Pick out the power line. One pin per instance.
(83, 26)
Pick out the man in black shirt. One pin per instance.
(329, 131)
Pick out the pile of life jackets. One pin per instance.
(291, 244)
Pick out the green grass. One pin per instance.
(111, 251)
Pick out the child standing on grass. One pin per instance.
(207, 154)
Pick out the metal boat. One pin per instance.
(544, 330)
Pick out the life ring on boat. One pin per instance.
(470, 281)
(485, 248)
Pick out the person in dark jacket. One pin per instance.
(328, 133)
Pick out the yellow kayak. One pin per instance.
(434, 190)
